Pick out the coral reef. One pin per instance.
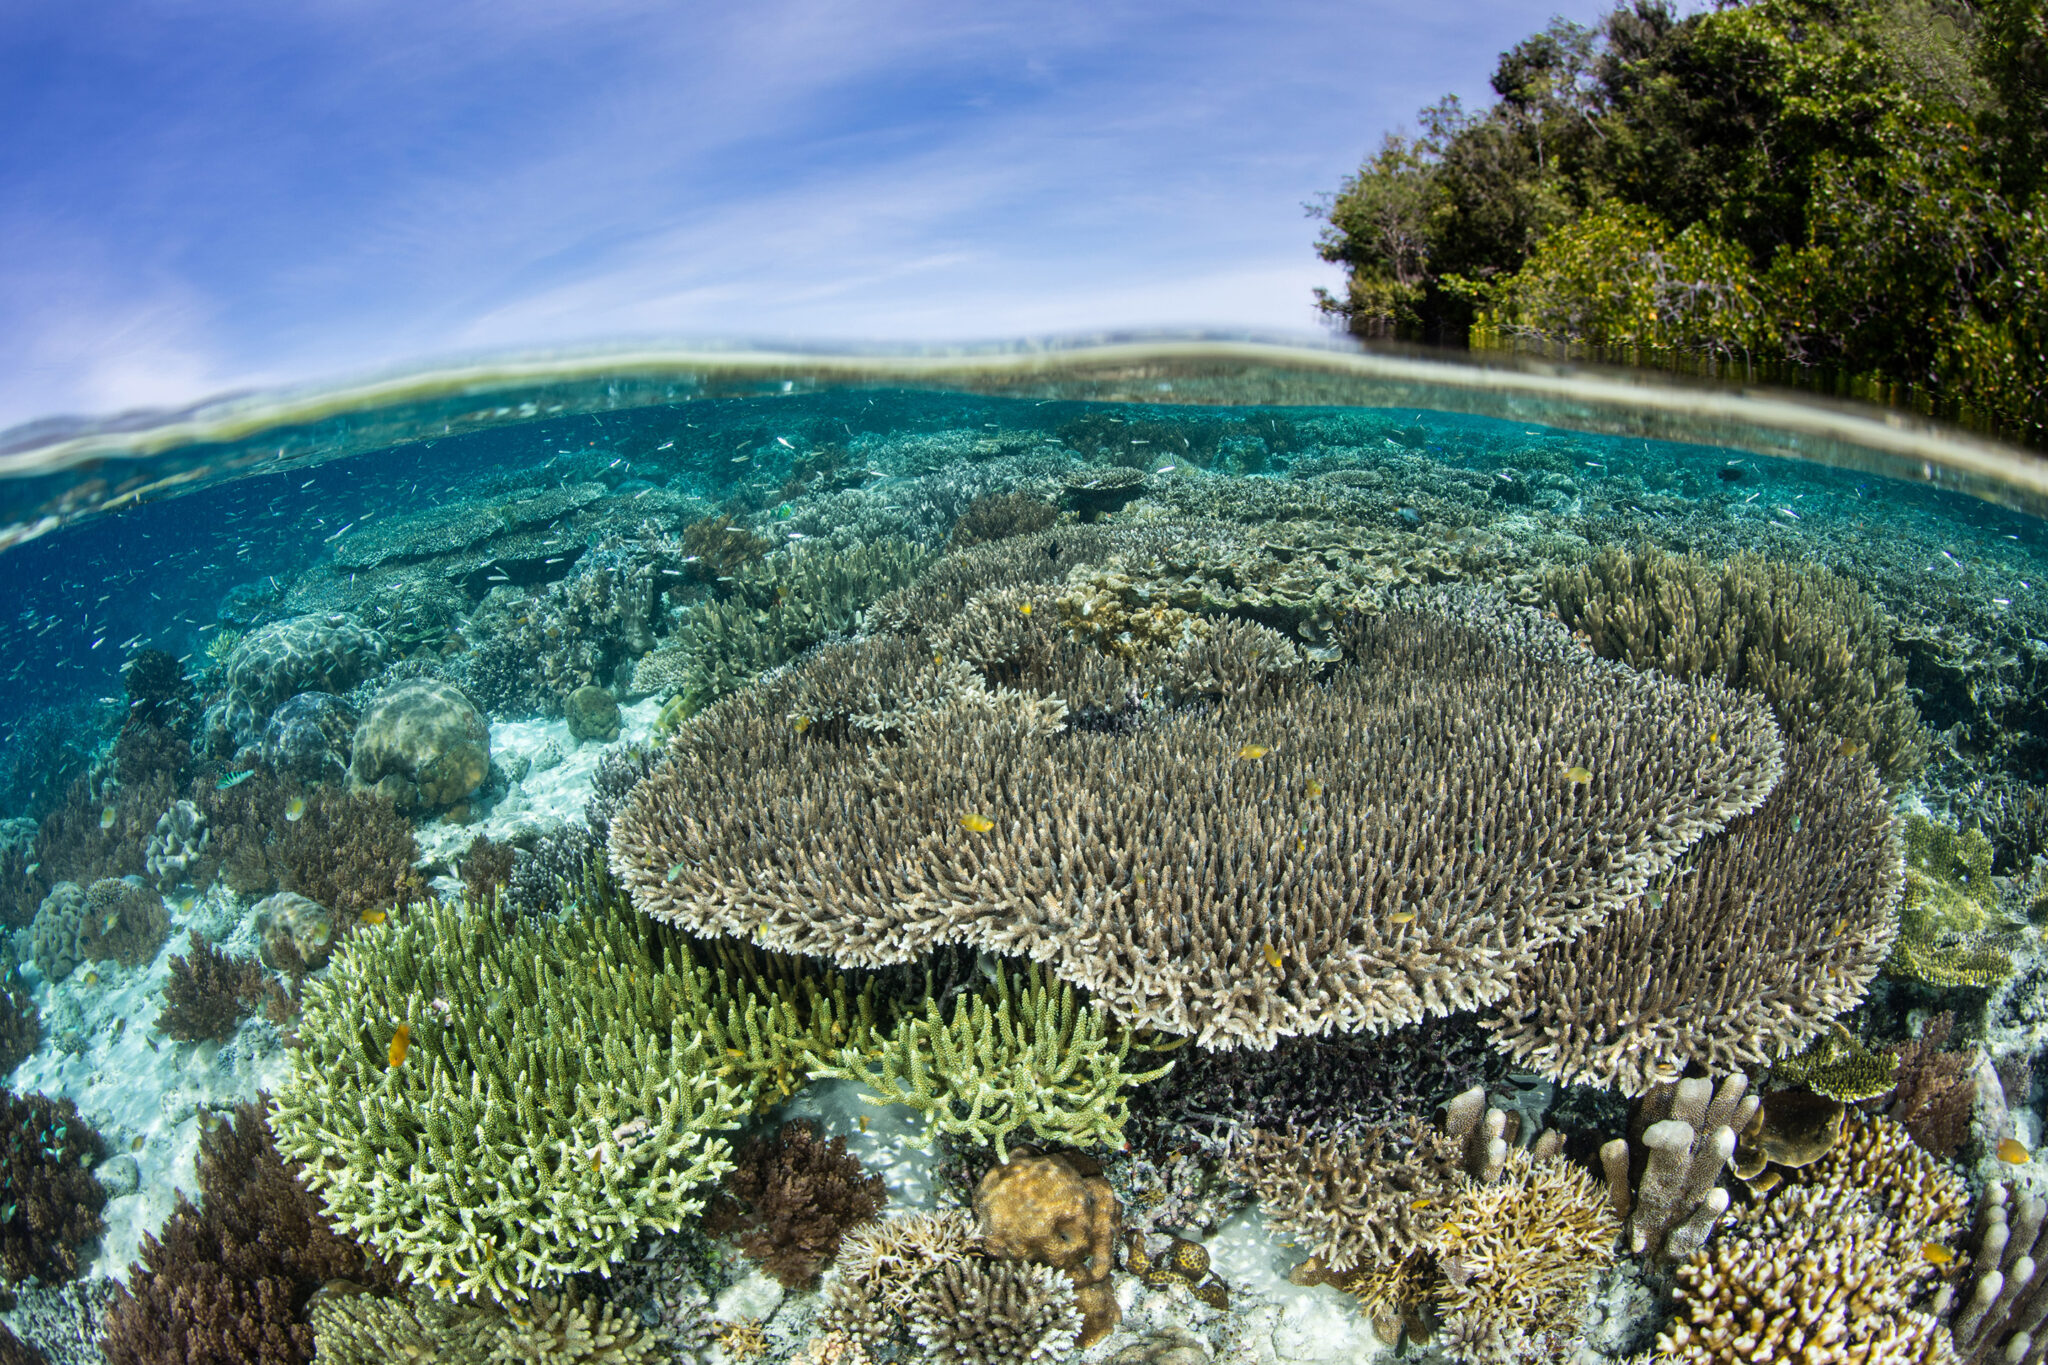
(1096, 493)
(112, 918)
(1808, 639)
(1745, 950)
(350, 852)
(994, 1313)
(883, 1264)
(551, 1329)
(295, 933)
(1792, 1128)
(421, 745)
(998, 516)
(1952, 931)
(274, 663)
(1056, 1210)
(1999, 1316)
(1664, 1186)
(1021, 1054)
(178, 844)
(1935, 1092)
(209, 994)
(499, 1105)
(49, 1201)
(1829, 1267)
(1839, 1066)
(799, 1196)
(20, 1021)
(229, 1281)
(1395, 843)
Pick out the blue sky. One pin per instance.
(204, 194)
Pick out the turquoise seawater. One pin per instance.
(1234, 853)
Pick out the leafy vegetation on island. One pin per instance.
(1853, 189)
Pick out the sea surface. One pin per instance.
(1419, 777)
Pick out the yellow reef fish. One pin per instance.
(400, 1041)
(1301, 845)
(371, 917)
(980, 824)
(1253, 751)
(801, 724)
(1402, 917)
(295, 808)
(92, 978)
(2013, 1152)
(863, 1123)
(1581, 776)
(1713, 736)
(1421, 1203)
(1273, 958)
(1849, 748)
(107, 817)
(1314, 787)
(1934, 1253)
(1025, 608)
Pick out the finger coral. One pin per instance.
(1997, 1315)
(229, 1281)
(496, 1106)
(1762, 934)
(1277, 858)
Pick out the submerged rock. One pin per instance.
(311, 737)
(592, 713)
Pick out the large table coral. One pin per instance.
(1209, 837)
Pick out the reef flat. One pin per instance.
(882, 876)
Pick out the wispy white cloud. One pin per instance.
(251, 192)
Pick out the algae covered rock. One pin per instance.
(311, 737)
(593, 713)
(272, 665)
(422, 744)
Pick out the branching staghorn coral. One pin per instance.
(1762, 934)
(1832, 1266)
(495, 1106)
(1808, 639)
(1021, 1054)
(550, 1329)
(1394, 843)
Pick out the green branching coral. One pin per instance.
(1807, 639)
(495, 1106)
(1951, 929)
(1021, 1054)
(1839, 1066)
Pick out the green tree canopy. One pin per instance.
(1854, 186)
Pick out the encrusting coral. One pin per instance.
(1952, 931)
(1808, 639)
(228, 1282)
(1394, 842)
(1019, 1054)
(798, 1196)
(1831, 1267)
(1762, 934)
(1838, 1065)
(497, 1105)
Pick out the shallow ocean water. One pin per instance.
(284, 670)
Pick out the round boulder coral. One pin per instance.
(113, 918)
(290, 926)
(593, 713)
(311, 737)
(423, 744)
(1056, 1211)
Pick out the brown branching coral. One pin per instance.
(229, 1282)
(49, 1202)
(351, 852)
(1396, 842)
(1761, 935)
(210, 993)
(1935, 1092)
(800, 1196)
(1830, 1267)
(1808, 639)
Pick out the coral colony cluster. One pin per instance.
(1144, 887)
